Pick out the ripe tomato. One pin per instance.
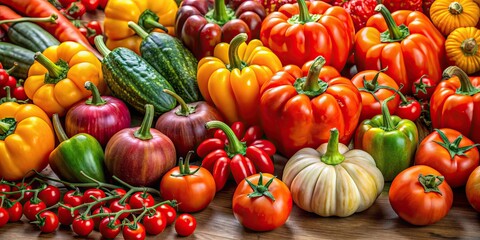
(82, 226)
(155, 223)
(73, 198)
(48, 222)
(4, 216)
(140, 199)
(423, 88)
(94, 192)
(261, 212)
(193, 187)
(168, 211)
(32, 207)
(97, 220)
(65, 216)
(108, 228)
(50, 195)
(473, 189)
(134, 231)
(4, 188)
(15, 210)
(116, 206)
(419, 195)
(117, 192)
(22, 186)
(447, 151)
(185, 224)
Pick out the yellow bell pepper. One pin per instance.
(231, 79)
(56, 79)
(11, 108)
(151, 15)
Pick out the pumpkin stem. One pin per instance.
(466, 87)
(333, 156)
(143, 132)
(469, 47)
(387, 120)
(455, 8)
(185, 109)
(100, 45)
(394, 33)
(96, 99)
(431, 182)
(57, 126)
(56, 71)
(234, 145)
(311, 85)
(234, 59)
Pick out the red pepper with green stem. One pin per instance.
(222, 156)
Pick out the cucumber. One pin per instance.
(31, 36)
(11, 53)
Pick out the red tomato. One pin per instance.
(409, 108)
(168, 211)
(4, 216)
(11, 82)
(412, 201)
(108, 228)
(3, 77)
(423, 88)
(22, 186)
(185, 224)
(73, 198)
(49, 222)
(447, 151)
(15, 210)
(65, 3)
(19, 93)
(116, 206)
(117, 192)
(76, 10)
(155, 223)
(262, 213)
(82, 226)
(96, 194)
(90, 5)
(65, 216)
(134, 231)
(193, 189)
(141, 199)
(4, 187)
(32, 207)
(50, 195)
(97, 220)
(473, 189)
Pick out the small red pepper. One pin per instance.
(409, 108)
(76, 10)
(90, 5)
(424, 87)
(235, 150)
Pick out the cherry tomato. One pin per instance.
(48, 222)
(155, 223)
(141, 199)
(76, 10)
(117, 192)
(108, 228)
(22, 186)
(97, 220)
(73, 198)
(134, 231)
(473, 189)
(168, 211)
(95, 192)
(4, 188)
(82, 226)
(423, 88)
(419, 195)
(11, 82)
(32, 207)
(90, 5)
(3, 77)
(19, 93)
(4, 217)
(193, 189)
(14, 208)
(65, 3)
(261, 212)
(185, 224)
(409, 108)
(65, 217)
(116, 206)
(49, 195)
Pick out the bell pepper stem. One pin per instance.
(455, 8)
(57, 126)
(148, 20)
(54, 70)
(137, 29)
(185, 110)
(235, 61)
(304, 15)
(220, 11)
(51, 19)
(100, 45)
(234, 146)
(4, 127)
(469, 47)
(96, 99)
(466, 87)
(143, 132)
(431, 182)
(151, 24)
(393, 29)
(387, 120)
(311, 83)
(333, 156)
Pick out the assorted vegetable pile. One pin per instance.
(355, 94)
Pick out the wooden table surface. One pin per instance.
(379, 221)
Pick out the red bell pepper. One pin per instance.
(300, 32)
(298, 111)
(202, 26)
(225, 153)
(456, 103)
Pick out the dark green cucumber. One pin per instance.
(133, 80)
(171, 59)
(11, 53)
(31, 36)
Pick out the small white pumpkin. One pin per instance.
(333, 180)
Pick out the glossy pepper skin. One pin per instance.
(56, 79)
(390, 140)
(403, 41)
(151, 15)
(232, 78)
(298, 110)
(225, 153)
(82, 152)
(298, 33)
(202, 24)
(455, 103)
(26, 140)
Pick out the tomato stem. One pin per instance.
(372, 86)
(184, 167)
(12, 69)
(260, 189)
(96, 99)
(431, 182)
(234, 59)
(185, 109)
(333, 156)
(453, 148)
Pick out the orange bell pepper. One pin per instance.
(231, 79)
(56, 79)
(406, 42)
(151, 15)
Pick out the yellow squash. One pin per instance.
(447, 15)
(462, 48)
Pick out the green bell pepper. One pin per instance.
(390, 140)
(82, 152)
